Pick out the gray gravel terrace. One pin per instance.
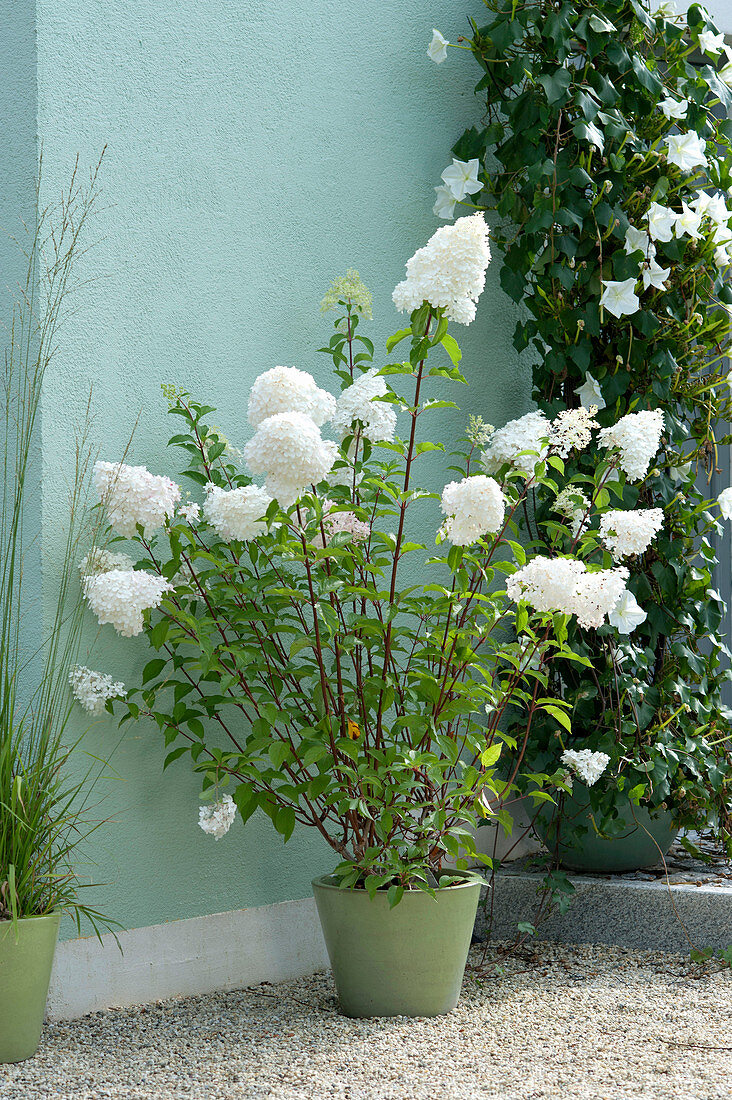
(581, 1023)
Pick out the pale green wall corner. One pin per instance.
(254, 152)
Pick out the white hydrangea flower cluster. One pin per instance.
(237, 513)
(100, 560)
(564, 584)
(357, 403)
(636, 436)
(338, 523)
(588, 765)
(724, 500)
(120, 596)
(290, 451)
(92, 689)
(626, 533)
(190, 513)
(132, 496)
(287, 389)
(449, 271)
(349, 288)
(217, 818)
(479, 432)
(528, 433)
(548, 584)
(598, 594)
(474, 507)
(574, 505)
(572, 430)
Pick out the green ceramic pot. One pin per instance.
(405, 961)
(635, 839)
(26, 958)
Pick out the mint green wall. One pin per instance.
(18, 164)
(254, 151)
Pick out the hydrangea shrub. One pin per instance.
(313, 658)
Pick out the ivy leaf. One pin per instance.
(602, 25)
(556, 86)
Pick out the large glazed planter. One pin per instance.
(405, 961)
(26, 958)
(638, 837)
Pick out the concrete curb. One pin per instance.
(637, 915)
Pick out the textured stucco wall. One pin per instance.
(18, 164)
(254, 152)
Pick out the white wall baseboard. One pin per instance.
(200, 955)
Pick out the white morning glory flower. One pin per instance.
(619, 297)
(654, 275)
(444, 203)
(716, 208)
(590, 393)
(725, 74)
(661, 221)
(638, 240)
(722, 257)
(627, 614)
(703, 202)
(722, 236)
(674, 108)
(687, 150)
(437, 49)
(688, 222)
(680, 473)
(724, 500)
(711, 43)
(461, 178)
(666, 8)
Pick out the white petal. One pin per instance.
(437, 49)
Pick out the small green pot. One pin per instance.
(25, 972)
(405, 961)
(638, 837)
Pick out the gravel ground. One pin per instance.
(581, 1023)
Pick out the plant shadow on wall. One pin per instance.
(606, 156)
